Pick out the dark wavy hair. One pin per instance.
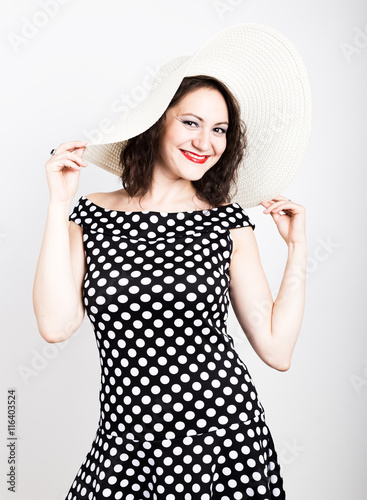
(214, 187)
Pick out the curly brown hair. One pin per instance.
(214, 187)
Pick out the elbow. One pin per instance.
(53, 336)
(55, 340)
(50, 340)
(48, 332)
(282, 365)
(58, 331)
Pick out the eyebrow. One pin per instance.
(201, 119)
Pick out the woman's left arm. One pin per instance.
(272, 327)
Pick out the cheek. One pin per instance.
(221, 146)
(176, 135)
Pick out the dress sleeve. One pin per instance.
(239, 218)
(77, 214)
(247, 221)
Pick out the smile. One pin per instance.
(193, 157)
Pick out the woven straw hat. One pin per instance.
(266, 74)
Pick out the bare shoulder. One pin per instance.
(244, 240)
(104, 199)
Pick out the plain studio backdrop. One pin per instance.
(69, 67)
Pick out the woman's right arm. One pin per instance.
(57, 289)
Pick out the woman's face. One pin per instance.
(194, 135)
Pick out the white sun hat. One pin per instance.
(266, 74)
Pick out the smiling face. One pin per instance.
(194, 135)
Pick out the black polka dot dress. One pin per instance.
(180, 417)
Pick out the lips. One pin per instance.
(194, 157)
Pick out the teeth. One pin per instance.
(194, 155)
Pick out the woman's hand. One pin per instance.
(292, 224)
(63, 170)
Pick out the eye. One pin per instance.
(220, 130)
(189, 123)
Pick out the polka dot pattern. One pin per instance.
(180, 416)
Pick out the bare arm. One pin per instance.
(57, 288)
(272, 327)
(289, 304)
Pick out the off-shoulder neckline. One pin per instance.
(131, 212)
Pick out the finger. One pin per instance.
(70, 156)
(68, 146)
(274, 200)
(80, 151)
(280, 197)
(76, 158)
(278, 204)
(66, 163)
(275, 204)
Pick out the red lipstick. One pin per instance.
(194, 157)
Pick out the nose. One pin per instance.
(201, 141)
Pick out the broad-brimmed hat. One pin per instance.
(267, 76)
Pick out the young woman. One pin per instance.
(154, 265)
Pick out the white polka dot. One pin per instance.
(174, 391)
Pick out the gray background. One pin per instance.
(58, 84)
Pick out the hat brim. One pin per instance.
(267, 75)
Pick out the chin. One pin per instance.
(201, 168)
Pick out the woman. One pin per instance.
(154, 265)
